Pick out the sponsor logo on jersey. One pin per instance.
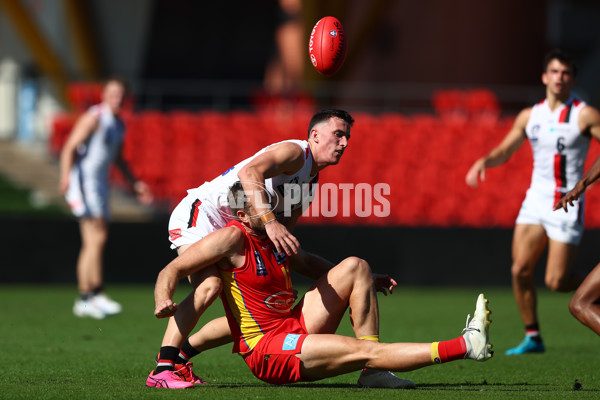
(174, 234)
(534, 133)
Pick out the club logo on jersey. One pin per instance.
(261, 270)
(290, 342)
(281, 258)
(174, 234)
(281, 302)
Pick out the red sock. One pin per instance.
(451, 350)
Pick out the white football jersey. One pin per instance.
(88, 183)
(278, 188)
(559, 148)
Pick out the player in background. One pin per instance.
(284, 344)
(585, 303)
(269, 177)
(93, 144)
(559, 129)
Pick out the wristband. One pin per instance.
(267, 217)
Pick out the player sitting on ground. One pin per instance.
(285, 344)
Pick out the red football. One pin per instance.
(327, 45)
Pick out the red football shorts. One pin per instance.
(273, 359)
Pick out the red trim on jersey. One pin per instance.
(564, 114)
(576, 102)
(307, 152)
(541, 102)
(194, 213)
(559, 175)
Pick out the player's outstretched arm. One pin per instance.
(501, 153)
(205, 252)
(284, 158)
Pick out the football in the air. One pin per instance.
(327, 45)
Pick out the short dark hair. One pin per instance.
(325, 115)
(561, 56)
(236, 196)
(117, 79)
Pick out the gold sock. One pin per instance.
(372, 338)
(435, 354)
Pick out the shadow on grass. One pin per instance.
(465, 386)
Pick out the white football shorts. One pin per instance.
(87, 197)
(565, 227)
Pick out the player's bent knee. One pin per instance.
(357, 265)
(576, 307)
(521, 272)
(211, 286)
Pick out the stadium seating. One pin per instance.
(422, 157)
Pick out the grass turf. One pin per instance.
(50, 354)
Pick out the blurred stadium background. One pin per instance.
(432, 85)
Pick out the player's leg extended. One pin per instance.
(94, 233)
(559, 269)
(348, 284)
(528, 243)
(326, 355)
(585, 304)
(207, 286)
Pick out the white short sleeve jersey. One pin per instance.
(206, 208)
(559, 148)
(216, 191)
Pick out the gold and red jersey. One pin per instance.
(257, 296)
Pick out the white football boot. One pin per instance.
(106, 304)
(477, 332)
(373, 378)
(87, 308)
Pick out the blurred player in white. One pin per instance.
(559, 129)
(585, 303)
(94, 143)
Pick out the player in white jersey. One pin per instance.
(273, 178)
(585, 303)
(206, 207)
(559, 130)
(92, 146)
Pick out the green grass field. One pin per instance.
(49, 354)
